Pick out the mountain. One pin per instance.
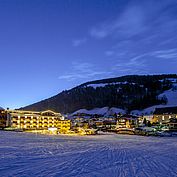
(106, 111)
(170, 95)
(1, 108)
(132, 92)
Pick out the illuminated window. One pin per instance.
(163, 118)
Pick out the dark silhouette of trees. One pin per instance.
(127, 92)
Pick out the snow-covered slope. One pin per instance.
(171, 96)
(1, 108)
(128, 90)
(147, 111)
(101, 111)
(114, 110)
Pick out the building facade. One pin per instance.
(163, 115)
(127, 121)
(64, 126)
(36, 120)
(3, 118)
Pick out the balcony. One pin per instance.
(34, 125)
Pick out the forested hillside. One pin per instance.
(126, 92)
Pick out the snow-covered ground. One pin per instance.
(101, 111)
(23, 154)
(171, 96)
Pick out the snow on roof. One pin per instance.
(166, 110)
(129, 117)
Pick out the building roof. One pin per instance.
(173, 120)
(166, 110)
(128, 117)
(42, 113)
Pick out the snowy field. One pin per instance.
(23, 154)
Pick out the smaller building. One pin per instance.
(127, 122)
(99, 123)
(109, 124)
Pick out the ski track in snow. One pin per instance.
(23, 154)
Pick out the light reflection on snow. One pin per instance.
(23, 154)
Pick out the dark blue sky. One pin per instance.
(49, 46)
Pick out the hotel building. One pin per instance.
(36, 120)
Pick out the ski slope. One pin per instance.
(106, 111)
(26, 155)
(171, 96)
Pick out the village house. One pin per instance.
(127, 122)
(109, 124)
(99, 123)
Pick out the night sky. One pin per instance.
(47, 46)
